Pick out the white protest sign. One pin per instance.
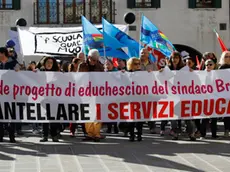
(14, 36)
(54, 41)
(113, 97)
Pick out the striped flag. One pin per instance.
(221, 42)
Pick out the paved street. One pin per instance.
(115, 154)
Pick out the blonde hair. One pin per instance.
(131, 61)
(222, 61)
(70, 67)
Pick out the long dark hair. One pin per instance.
(54, 67)
(179, 65)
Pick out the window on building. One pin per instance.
(73, 9)
(6, 4)
(101, 8)
(143, 3)
(47, 11)
(205, 3)
(10, 4)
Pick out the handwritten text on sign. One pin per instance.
(58, 43)
(116, 96)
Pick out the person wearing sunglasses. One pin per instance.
(207, 56)
(210, 65)
(225, 64)
(133, 65)
(201, 124)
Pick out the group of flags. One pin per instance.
(112, 42)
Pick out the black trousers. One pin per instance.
(201, 126)
(18, 126)
(52, 127)
(112, 125)
(138, 125)
(10, 127)
(227, 123)
(124, 127)
(163, 125)
(152, 125)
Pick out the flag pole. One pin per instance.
(84, 47)
(103, 38)
(140, 33)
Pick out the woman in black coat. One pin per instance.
(49, 64)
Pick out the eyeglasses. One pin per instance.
(208, 64)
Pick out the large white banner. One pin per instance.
(53, 40)
(109, 97)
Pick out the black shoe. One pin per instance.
(139, 138)
(59, 135)
(215, 137)
(97, 139)
(108, 131)
(126, 134)
(55, 139)
(44, 139)
(192, 138)
(116, 131)
(175, 138)
(1, 139)
(131, 139)
(12, 140)
(87, 138)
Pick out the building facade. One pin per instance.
(184, 22)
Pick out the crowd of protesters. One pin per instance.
(92, 131)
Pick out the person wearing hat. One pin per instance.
(6, 64)
(10, 44)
